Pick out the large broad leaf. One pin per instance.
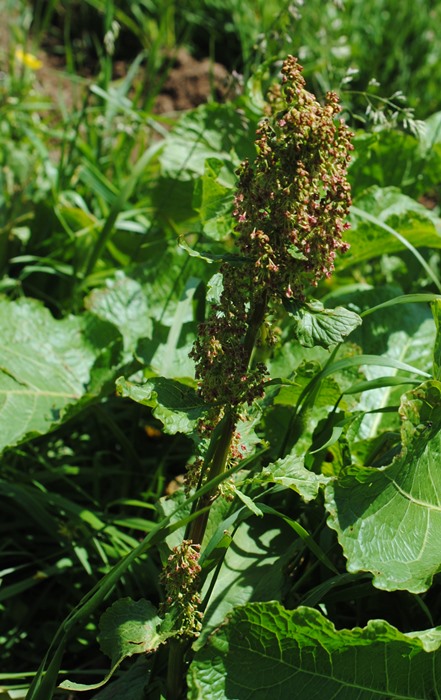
(253, 569)
(388, 520)
(49, 369)
(265, 651)
(388, 158)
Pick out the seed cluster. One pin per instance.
(292, 202)
(180, 577)
(290, 208)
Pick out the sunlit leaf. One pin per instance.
(388, 520)
(265, 651)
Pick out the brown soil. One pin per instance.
(188, 82)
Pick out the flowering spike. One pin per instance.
(290, 208)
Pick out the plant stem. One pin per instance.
(176, 669)
(216, 462)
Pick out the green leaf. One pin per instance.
(253, 568)
(175, 404)
(131, 685)
(388, 520)
(214, 202)
(123, 302)
(315, 325)
(128, 627)
(265, 651)
(403, 214)
(49, 369)
(291, 473)
(210, 131)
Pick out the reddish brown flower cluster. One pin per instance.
(222, 358)
(292, 201)
(290, 208)
(180, 578)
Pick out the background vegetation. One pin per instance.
(112, 211)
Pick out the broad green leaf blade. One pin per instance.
(264, 651)
(128, 627)
(315, 325)
(214, 202)
(388, 520)
(253, 568)
(209, 131)
(49, 369)
(176, 405)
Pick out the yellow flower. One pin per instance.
(28, 59)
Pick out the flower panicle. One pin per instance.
(290, 209)
(180, 578)
(291, 203)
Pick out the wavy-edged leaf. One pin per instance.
(388, 520)
(265, 651)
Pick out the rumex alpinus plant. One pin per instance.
(290, 210)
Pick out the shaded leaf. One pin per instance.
(436, 310)
(175, 404)
(123, 302)
(265, 651)
(253, 568)
(388, 520)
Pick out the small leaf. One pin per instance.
(291, 473)
(128, 627)
(315, 325)
(263, 651)
(175, 404)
